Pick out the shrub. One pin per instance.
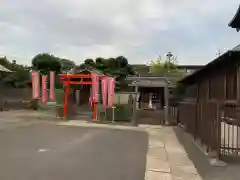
(60, 96)
(34, 104)
(122, 112)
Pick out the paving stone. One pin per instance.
(151, 175)
(166, 151)
(179, 159)
(156, 134)
(171, 142)
(179, 173)
(155, 152)
(158, 165)
(87, 124)
(194, 177)
(156, 143)
(151, 126)
(186, 168)
(175, 149)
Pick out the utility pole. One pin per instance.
(169, 56)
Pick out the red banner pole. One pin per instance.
(95, 111)
(52, 86)
(66, 99)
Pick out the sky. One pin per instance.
(140, 30)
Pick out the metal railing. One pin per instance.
(173, 114)
(216, 125)
(230, 130)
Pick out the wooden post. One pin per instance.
(134, 118)
(238, 84)
(113, 114)
(77, 97)
(166, 96)
(66, 99)
(225, 87)
(95, 111)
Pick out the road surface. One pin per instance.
(44, 151)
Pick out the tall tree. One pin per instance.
(157, 66)
(115, 67)
(19, 77)
(101, 64)
(164, 66)
(90, 63)
(122, 62)
(66, 65)
(45, 62)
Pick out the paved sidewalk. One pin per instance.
(166, 157)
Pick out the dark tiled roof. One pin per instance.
(4, 69)
(223, 60)
(237, 48)
(190, 66)
(235, 22)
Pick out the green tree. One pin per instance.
(157, 66)
(90, 63)
(101, 64)
(45, 62)
(122, 62)
(66, 65)
(115, 67)
(19, 77)
(166, 67)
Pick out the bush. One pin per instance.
(122, 112)
(60, 96)
(34, 104)
(60, 102)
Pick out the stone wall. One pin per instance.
(14, 98)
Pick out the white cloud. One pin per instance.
(92, 51)
(138, 29)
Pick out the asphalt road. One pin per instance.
(44, 151)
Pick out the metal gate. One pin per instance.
(230, 130)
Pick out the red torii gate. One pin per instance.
(66, 80)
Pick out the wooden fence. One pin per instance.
(216, 125)
(201, 121)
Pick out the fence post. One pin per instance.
(218, 131)
(113, 114)
(134, 119)
(166, 94)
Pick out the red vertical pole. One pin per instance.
(95, 111)
(66, 98)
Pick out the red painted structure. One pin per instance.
(66, 79)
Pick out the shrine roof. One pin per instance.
(235, 22)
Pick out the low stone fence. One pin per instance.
(14, 98)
